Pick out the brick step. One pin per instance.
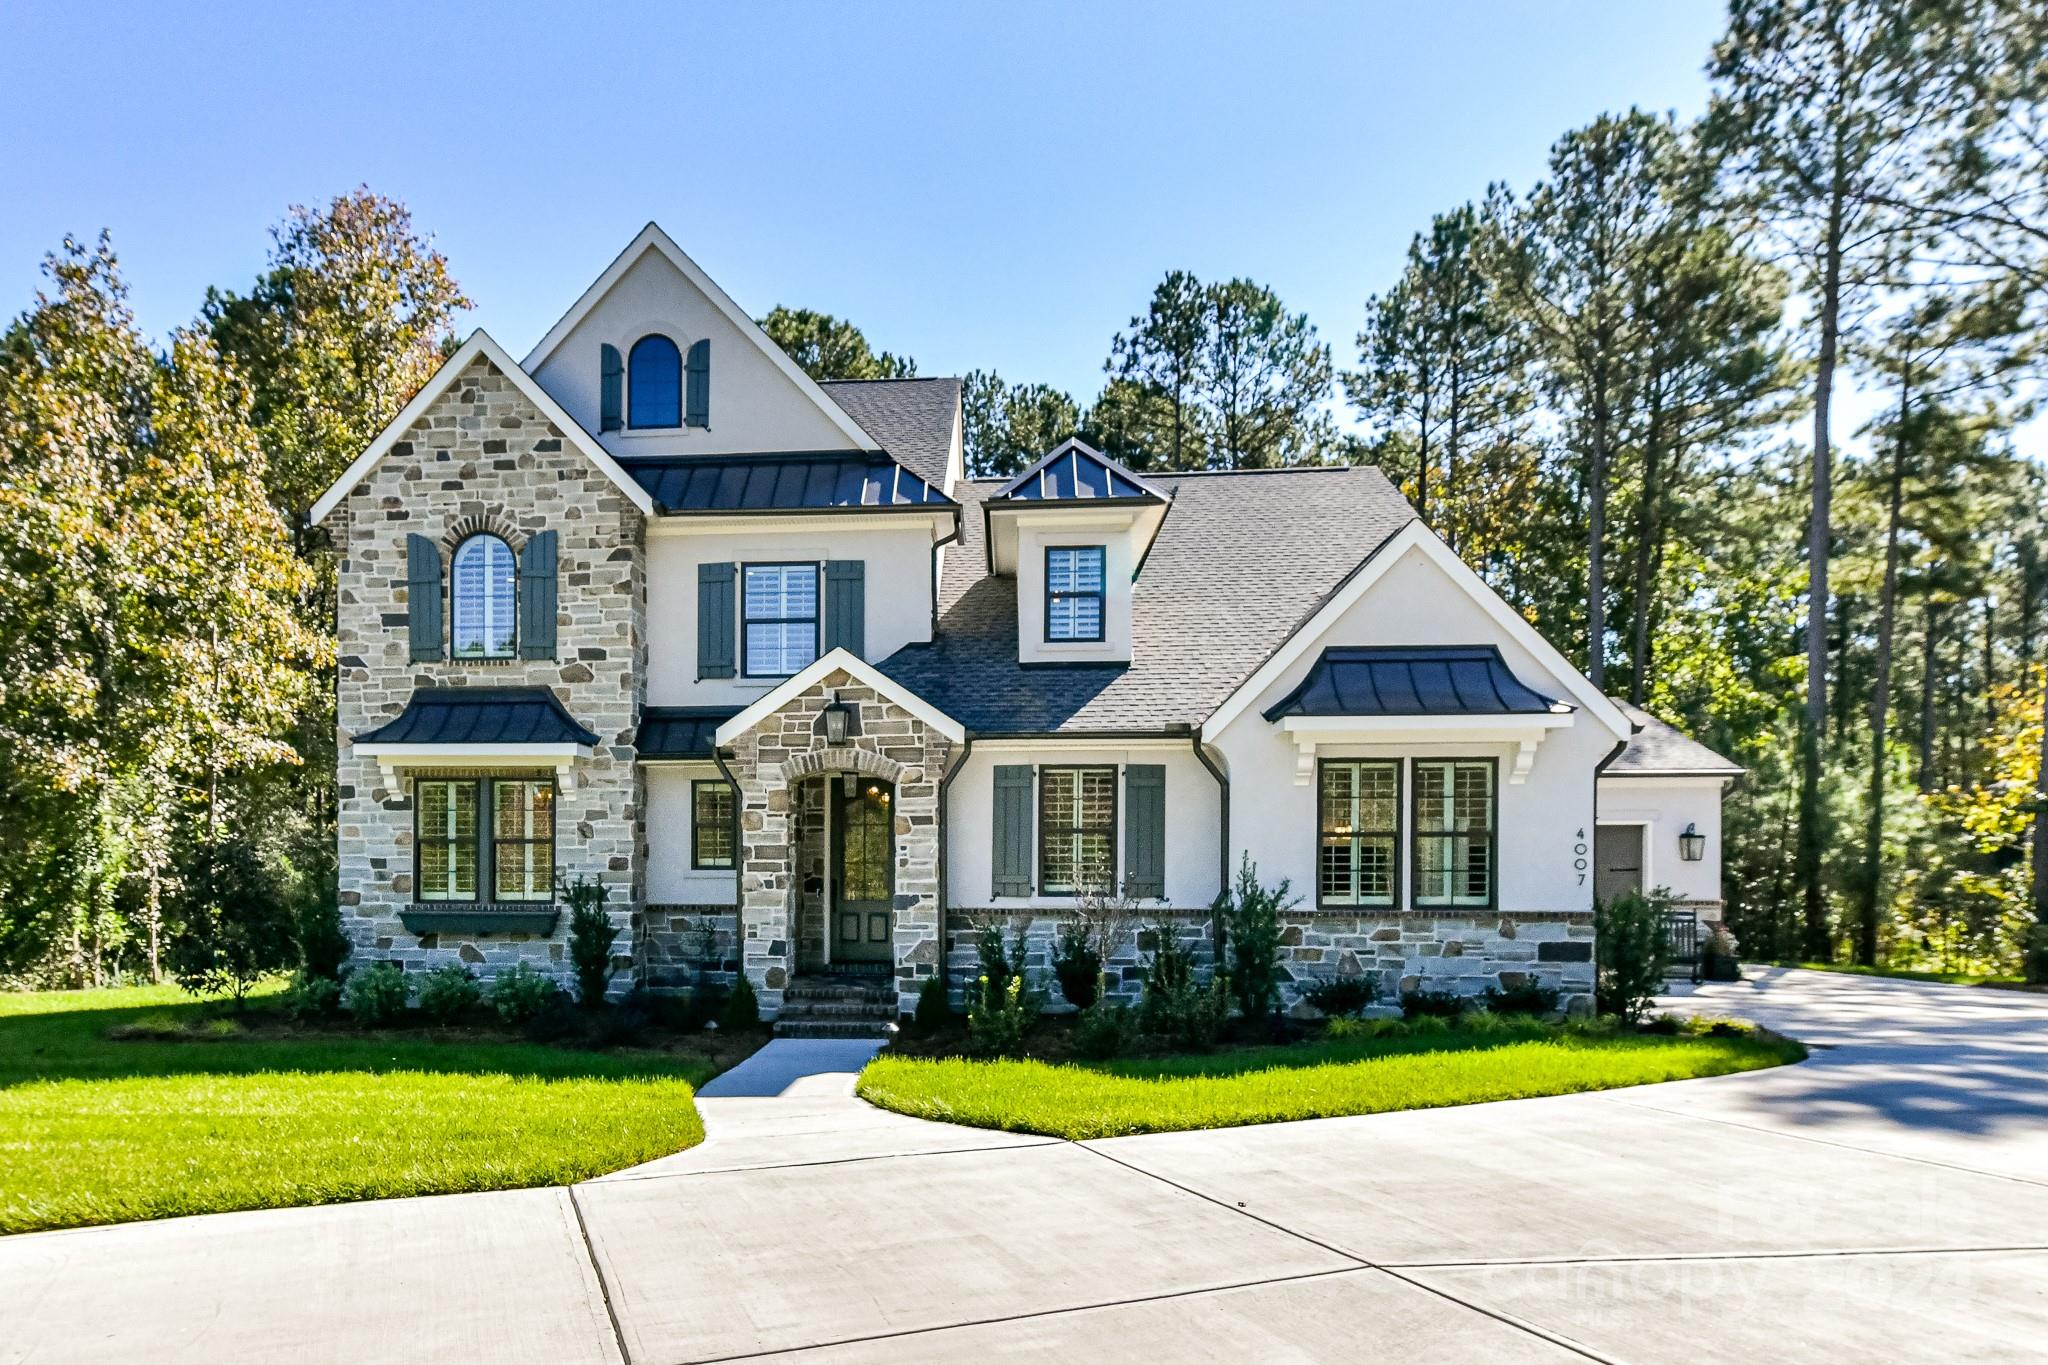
(826, 988)
(834, 1028)
(883, 1010)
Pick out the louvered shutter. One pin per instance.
(1012, 830)
(846, 606)
(537, 597)
(1145, 830)
(423, 597)
(614, 399)
(717, 630)
(697, 409)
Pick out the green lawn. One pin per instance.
(1299, 1081)
(94, 1130)
(1900, 973)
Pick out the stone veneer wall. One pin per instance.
(780, 753)
(1463, 953)
(483, 457)
(674, 953)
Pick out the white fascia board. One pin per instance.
(1526, 732)
(396, 758)
(443, 379)
(942, 520)
(862, 672)
(1419, 538)
(1091, 743)
(652, 238)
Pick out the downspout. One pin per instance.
(945, 801)
(739, 865)
(1222, 841)
(937, 546)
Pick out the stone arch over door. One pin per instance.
(770, 762)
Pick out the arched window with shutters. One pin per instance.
(484, 595)
(654, 383)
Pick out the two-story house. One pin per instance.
(652, 606)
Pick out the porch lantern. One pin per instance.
(1692, 845)
(837, 718)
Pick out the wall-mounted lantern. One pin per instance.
(838, 719)
(1692, 845)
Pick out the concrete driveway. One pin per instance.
(1887, 1200)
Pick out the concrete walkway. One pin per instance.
(1886, 1201)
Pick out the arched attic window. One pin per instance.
(654, 383)
(484, 594)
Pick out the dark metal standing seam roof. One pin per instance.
(1075, 471)
(680, 731)
(1386, 680)
(481, 715)
(792, 482)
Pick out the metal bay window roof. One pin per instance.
(801, 481)
(481, 715)
(1382, 680)
(680, 731)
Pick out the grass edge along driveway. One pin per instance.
(94, 1130)
(1327, 1079)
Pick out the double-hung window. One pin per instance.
(711, 825)
(1359, 821)
(485, 592)
(1454, 832)
(1076, 829)
(779, 619)
(1073, 592)
(462, 857)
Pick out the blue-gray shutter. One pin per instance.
(1145, 830)
(1012, 830)
(423, 597)
(537, 596)
(846, 605)
(614, 400)
(697, 372)
(717, 631)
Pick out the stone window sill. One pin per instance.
(441, 917)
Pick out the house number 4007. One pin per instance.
(1579, 857)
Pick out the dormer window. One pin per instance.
(654, 383)
(1074, 577)
(484, 593)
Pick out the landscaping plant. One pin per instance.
(1630, 953)
(997, 1019)
(742, 1012)
(1189, 1016)
(521, 993)
(1530, 997)
(998, 958)
(311, 997)
(1249, 920)
(934, 1012)
(1076, 964)
(1427, 1004)
(1104, 921)
(449, 992)
(591, 932)
(1339, 996)
(376, 994)
(237, 928)
(1105, 1029)
(2034, 965)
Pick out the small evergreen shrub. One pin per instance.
(934, 1011)
(1171, 970)
(742, 1011)
(591, 932)
(1431, 1004)
(520, 994)
(1105, 1029)
(1531, 997)
(999, 959)
(322, 944)
(376, 994)
(1342, 995)
(2034, 956)
(236, 927)
(1076, 964)
(311, 998)
(996, 1020)
(1250, 920)
(1189, 1016)
(1630, 953)
(449, 992)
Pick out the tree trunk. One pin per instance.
(2041, 815)
(1880, 691)
(1819, 545)
(1929, 666)
(1596, 538)
(1649, 539)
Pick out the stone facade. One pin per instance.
(682, 947)
(771, 764)
(483, 457)
(1459, 953)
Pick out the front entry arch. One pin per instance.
(863, 870)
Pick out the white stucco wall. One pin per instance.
(754, 406)
(898, 594)
(1545, 823)
(1193, 805)
(1666, 805)
(670, 880)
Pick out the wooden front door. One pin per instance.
(863, 871)
(1617, 861)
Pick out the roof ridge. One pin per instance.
(902, 379)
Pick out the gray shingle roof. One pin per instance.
(792, 481)
(1659, 749)
(912, 419)
(1241, 560)
(1401, 680)
(480, 715)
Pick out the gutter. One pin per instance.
(945, 801)
(1592, 896)
(937, 546)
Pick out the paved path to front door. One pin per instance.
(1886, 1201)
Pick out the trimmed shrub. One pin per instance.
(1250, 920)
(1189, 1016)
(1431, 1004)
(999, 959)
(310, 998)
(520, 994)
(591, 932)
(449, 992)
(1630, 953)
(996, 1020)
(1343, 995)
(376, 994)
(742, 1011)
(1531, 997)
(934, 1011)
(1105, 1029)
(1076, 964)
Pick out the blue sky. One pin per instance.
(975, 184)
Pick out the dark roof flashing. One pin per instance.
(481, 715)
(1404, 680)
